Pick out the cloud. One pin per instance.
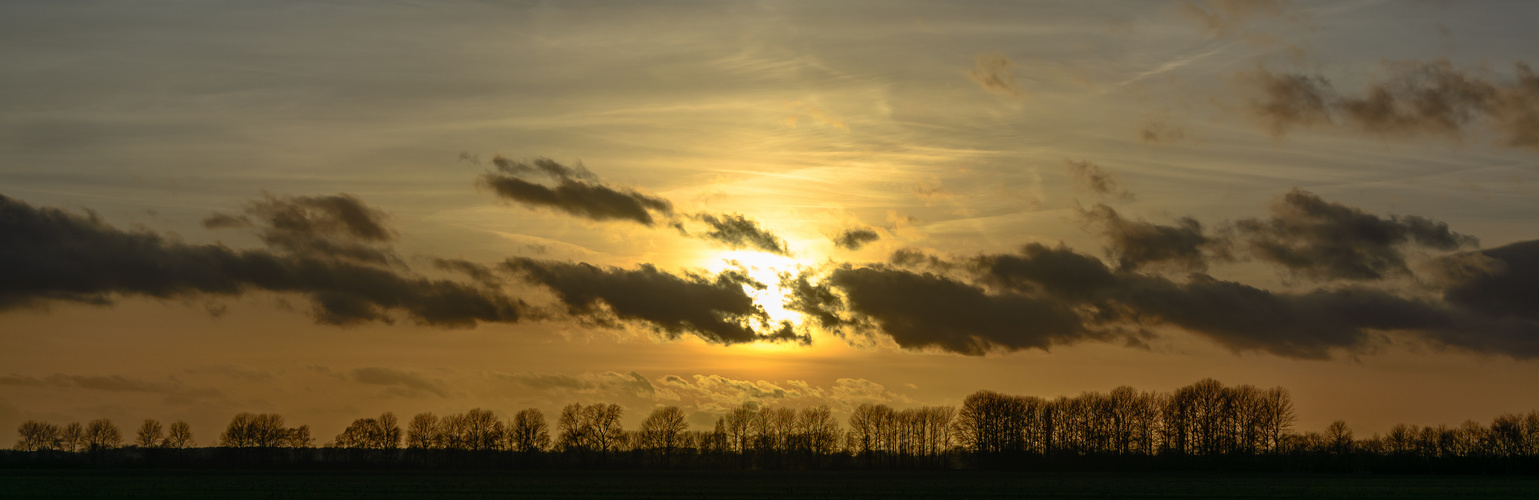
(1091, 177)
(719, 394)
(1157, 132)
(476, 272)
(736, 231)
(400, 382)
(605, 383)
(854, 238)
(928, 310)
(1290, 100)
(339, 226)
(1419, 99)
(1323, 240)
(1501, 282)
(716, 309)
(1041, 296)
(1225, 18)
(1137, 243)
(175, 392)
(1241, 317)
(993, 74)
(48, 254)
(233, 372)
(932, 192)
(577, 192)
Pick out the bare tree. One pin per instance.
(608, 434)
(298, 437)
(381, 433)
(72, 438)
(422, 432)
(738, 426)
(37, 436)
(819, 430)
(265, 430)
(149, 435)
(529, 433)
(664, 430)
(1339, 437)
(102, 435)
(179, 437)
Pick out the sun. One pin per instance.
(765, 268)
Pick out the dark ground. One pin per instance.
(170, 484)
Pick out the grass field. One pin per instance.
(26, 484)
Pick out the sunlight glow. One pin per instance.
(764, 268)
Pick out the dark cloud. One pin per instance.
(476, 272)
(339, 226)
(927, 310)
(47, 254)
(577, 192)
(1241, 317)
(1050, 271)
(1420, 99)
(1090, 177)
(1290, 100)
(816, 300)
(1137, 243)
(1043, 296)
(1324, 240)
(1501, 282)
(854, 238)
(993, 74)
(736, 231)
(716, 308)
(400, 382)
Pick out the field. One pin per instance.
(166, 484)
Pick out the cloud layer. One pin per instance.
(577, 192)
(48, 254)
(1419, 99)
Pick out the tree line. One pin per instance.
(1205, 423)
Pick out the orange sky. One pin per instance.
(1363, 170)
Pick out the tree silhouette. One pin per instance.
(528, 432)
(179, 437)
(590, 429)
(664, 431)
(37, 436)
(149, 435)
(382, 433)
(1339, 438)
(101, 435)
(422, 432)
(265, 430)
(72, 438)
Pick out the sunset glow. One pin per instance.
(333, 211)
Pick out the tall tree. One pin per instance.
(180, 436)
(149, 435)
(72, 438)
(664, 431)
(422, 432)
(101, 434)
(37, 436)
(529, 433)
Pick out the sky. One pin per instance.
(331, 210)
